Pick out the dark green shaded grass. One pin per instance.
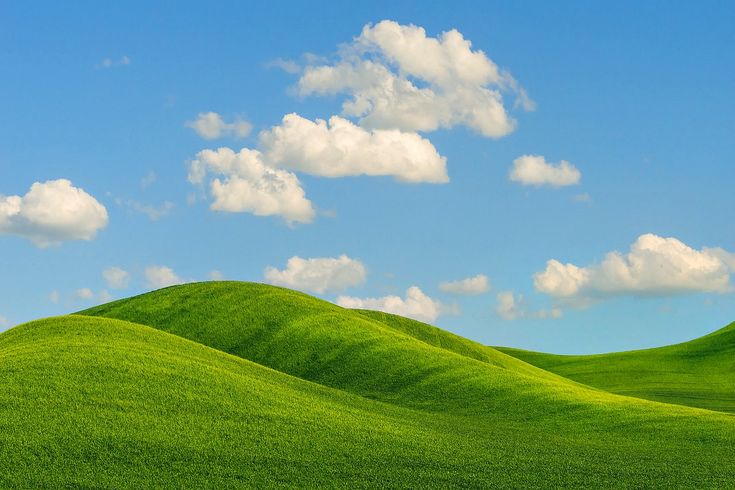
(698, 373)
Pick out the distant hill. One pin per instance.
(227, 384)
(698, 373)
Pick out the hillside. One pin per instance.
(698, 373)
(348, 398)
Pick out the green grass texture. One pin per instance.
(231, 385)
(698, 373)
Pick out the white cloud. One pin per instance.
(210, 125)
(112, 63)
(249, 185)
(116, 277)
(534, 170)
(105, 296)
(216, 275)
(54, 297)
(154, 213)
(52, 212)
(653, 266)
(469, 286)
(84, 294)
(508, 306)
(400, 78)
(318, 275)
(149, 179)
(289, 66)
(4, 322)
(416, 305)
(512, 306)
(339, 148)
(727, 258)
(159, 276)
(583, 197)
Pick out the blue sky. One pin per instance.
(637, 98)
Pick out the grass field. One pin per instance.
(698, 373)
(235, 384)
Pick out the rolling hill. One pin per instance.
(236, 384)
(698, 373)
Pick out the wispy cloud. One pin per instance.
(107, 63)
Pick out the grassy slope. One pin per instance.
(93, 402)
(539, 427)
(103, 403)
(698, 373)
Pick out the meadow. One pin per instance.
(229, 384)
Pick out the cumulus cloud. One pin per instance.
(339, 148)
(469, 286)
(158, 276)
(536, 171)
(397, 77)
(318, 275)
(52, 212)
(248, 184)
(116, 278)
(511, 306)
(416, 305)
(653, 266)
(210, 126)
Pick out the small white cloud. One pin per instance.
(416, 305)
(339, 148)
(249, 185)
(511, 306)
(210, 125)
(84, 294)
(653, 266)
(149, 179)
(116, 277)
(289, 66)
(478, 284)
(105, 296)
(114, 62)
(158, 276)
(397, 77)
(52, 212)
(583, 197)
(154, 213)
(4, 322)
(54, 297)
(216, 275)
(318, 275)
(534, 170)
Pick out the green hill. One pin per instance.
(698, 373)
(274, 387)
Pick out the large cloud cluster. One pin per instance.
(653, 266)
(398, 77)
